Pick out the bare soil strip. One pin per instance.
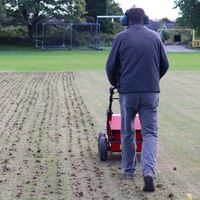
(48, 146)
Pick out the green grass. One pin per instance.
(184, 61)
(37, 60)
(30, 59)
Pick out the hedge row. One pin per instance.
(16, 35)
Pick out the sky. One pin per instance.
(155, 9)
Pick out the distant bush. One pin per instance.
(106, 39)
(169, 42)
(164, 35)
(13, 35)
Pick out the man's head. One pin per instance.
(135, 16)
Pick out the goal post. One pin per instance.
(195, 42)
(104, 39)
(107, 17)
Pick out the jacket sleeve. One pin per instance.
(113, 63)
(164, 64)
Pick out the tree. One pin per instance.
(165, 20)
(78, 10)
(2, 12)
(190, 11)
(113, 8)
(33, 11)
(96, 7)
(103, 7)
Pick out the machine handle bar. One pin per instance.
(112, 92)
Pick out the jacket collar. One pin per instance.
(136, 26)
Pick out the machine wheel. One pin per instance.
(103, 151)
(139, 157)
(101, 134)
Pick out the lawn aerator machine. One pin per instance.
(110, 139)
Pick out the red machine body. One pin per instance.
(114, 133)
(110, 140)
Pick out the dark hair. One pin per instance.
(135, 15)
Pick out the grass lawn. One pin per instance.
(37, 60)
(179, 124)
(30, 59)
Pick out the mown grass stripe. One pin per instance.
(34, 60)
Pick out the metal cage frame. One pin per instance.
(41, 42)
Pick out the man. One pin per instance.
(136, 63)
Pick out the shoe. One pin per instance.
(149, 185)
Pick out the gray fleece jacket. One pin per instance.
(137, 60)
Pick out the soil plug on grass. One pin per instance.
(171, 195)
